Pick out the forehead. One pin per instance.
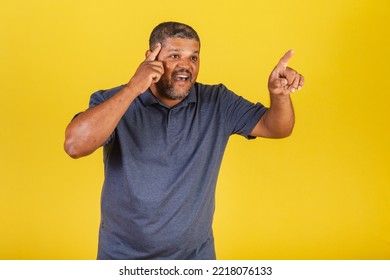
(180, 44)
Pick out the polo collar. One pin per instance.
(147, 98)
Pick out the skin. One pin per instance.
(180, 59)
(278, 120)
(163, 71)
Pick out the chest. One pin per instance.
(155, 131)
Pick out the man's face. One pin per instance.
(180, 58)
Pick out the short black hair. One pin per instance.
(171, 29)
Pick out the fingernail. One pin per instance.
(292, 90)
(299, 88)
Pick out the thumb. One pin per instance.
(277, 83)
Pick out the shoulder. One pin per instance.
(210, 89)
(102, 95)
(217, 92)
(107, 93)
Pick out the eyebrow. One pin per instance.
(180, 50)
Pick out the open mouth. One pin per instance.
(181, 76)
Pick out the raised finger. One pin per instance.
(153, 54)
(285, 59)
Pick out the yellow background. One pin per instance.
(323, 193)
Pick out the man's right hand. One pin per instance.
(148, 72)
(88, 131)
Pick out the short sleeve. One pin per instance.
(241, 115)
(98, 98)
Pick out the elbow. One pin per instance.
(70, 144)
(77, 148)
(285, 129)
(71, 149)
(74, 145)
(286, 133)
(280, 134)
(274, 127)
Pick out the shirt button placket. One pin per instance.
(170, 124)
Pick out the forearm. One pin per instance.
(278, 120)
(88, 131)
(91, 129)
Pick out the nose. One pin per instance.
(184, 63)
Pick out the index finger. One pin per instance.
(285, 59)
(153, 54)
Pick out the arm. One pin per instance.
(88, 131)
(278, 120)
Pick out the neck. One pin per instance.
(167, 101)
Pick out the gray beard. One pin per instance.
(166, 90)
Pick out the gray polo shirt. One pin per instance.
(161, 169)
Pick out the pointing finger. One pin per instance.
(285, 58)
(153, 54)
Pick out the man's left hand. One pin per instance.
(284, 80)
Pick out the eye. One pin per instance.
(174, 56)
(194, 58)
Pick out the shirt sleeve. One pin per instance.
(98, 98)
(240, 115)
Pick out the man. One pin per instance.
(164, 136)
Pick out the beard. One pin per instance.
(166, 87)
